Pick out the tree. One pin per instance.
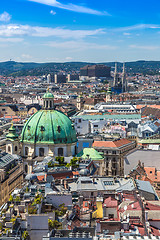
(32, 209)
(61, 211)
(11, 198)
(13, 220)
(54, 224)
(60, 160)
(74, 161)
(17, 199)
(50, 164)
(25, 235)
(38, 199)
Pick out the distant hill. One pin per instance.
(37, 69)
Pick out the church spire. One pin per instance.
(124, 83)
(123, 68)
(115, 76)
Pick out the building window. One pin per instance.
(96, 126)
(113, 152)
(42, 128)
(114, 164)
(15, 148)
(60, 151)
(26, 151)
(41, 152)
(75, 150)
(110, 215)
(9, 149)
(59, 129)
(79, 120)
(109, 183)
(26, 168)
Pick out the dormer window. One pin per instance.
(42, 128)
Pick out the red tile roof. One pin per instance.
(152, 174)
(111, 203)
(155, 231)
(40, 178)
(150, 206)
(111, 144)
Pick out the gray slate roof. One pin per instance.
(150, 158)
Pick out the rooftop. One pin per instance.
(90, 153)
(111, 144)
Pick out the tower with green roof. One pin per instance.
(12, 142)
(109, 94)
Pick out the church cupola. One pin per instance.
(12, 135)
(12, 141)
(48, 101)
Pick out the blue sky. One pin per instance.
(79, 30)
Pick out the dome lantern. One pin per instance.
(48, 100)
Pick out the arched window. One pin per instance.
(60, 151)
(9, 149)
(26, 168)
(41, 152)
(75, 150)
(26, 151)
(15, 148)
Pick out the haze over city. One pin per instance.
(95, 31)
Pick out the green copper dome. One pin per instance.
(49, 126)
(48, 95)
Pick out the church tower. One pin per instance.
(79, 102)
(109, 95)
(12, 143)
(116, 76)
(124, 82)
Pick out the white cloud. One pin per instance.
(5, 17)
(70, 7)
(11, 40)
(144, 47)
(36, 31)
(79, 45)
(126, 34)
(52, 12)
(68, 58)
(26, 56)
(138, 27)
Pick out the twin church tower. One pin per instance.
(120, 83)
